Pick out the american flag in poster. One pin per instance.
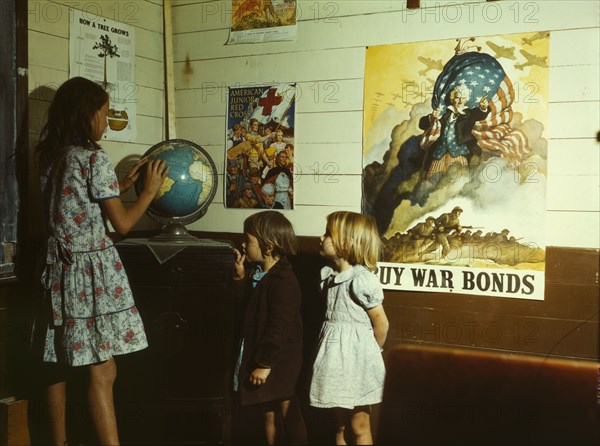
(483, 75)
(455, 162)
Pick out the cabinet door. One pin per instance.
(177, 390)
(141, 385)
(202, 369)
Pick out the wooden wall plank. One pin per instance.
(313, 96)
(212, 66)
(230, 220)
(552, 337)
(573, 157)
(356, 29)
(568, 120)
(576, 229)
(561, 190)
(570, 83)
(285, 67)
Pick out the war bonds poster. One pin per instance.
(254, 21)
(104, 51)
(259, 155)
(454, 163)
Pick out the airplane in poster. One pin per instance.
(536, 36)
(532, 60)
(502, 51)
(430, 64)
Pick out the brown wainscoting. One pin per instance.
(564, 324)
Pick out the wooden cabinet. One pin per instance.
(177, 391)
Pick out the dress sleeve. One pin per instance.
(326, 272)
(366, 289)
(102, 180)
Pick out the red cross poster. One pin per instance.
(256, 21)
(454, 163)
(259, 153)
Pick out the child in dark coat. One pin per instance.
(270, 354)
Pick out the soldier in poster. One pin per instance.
(260, 125)
(459, 135)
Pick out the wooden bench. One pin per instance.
(449, 396)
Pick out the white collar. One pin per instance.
(342, 276)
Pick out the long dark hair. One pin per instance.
(70, 120)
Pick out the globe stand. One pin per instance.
(175, 232)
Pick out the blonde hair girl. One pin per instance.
(355, 238)
(348, 372)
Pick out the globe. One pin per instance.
(188, 189)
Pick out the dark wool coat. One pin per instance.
(272, 332)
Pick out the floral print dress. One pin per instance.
(93, 315)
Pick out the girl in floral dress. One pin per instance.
(348, 372)
(91, 313)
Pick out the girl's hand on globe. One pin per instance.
(239, 270)
(132, 176)
(156, 172)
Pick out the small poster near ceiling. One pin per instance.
(256, 21)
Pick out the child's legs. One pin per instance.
(270, 423)
(56, 398)
(293, 421)
(55, 382)
(360, 422)
(341, 418)
(100, 397)
(284, 423)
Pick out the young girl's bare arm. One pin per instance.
(380, 324)
(132, 176)
(122, 218)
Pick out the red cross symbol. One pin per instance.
(269, 101)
